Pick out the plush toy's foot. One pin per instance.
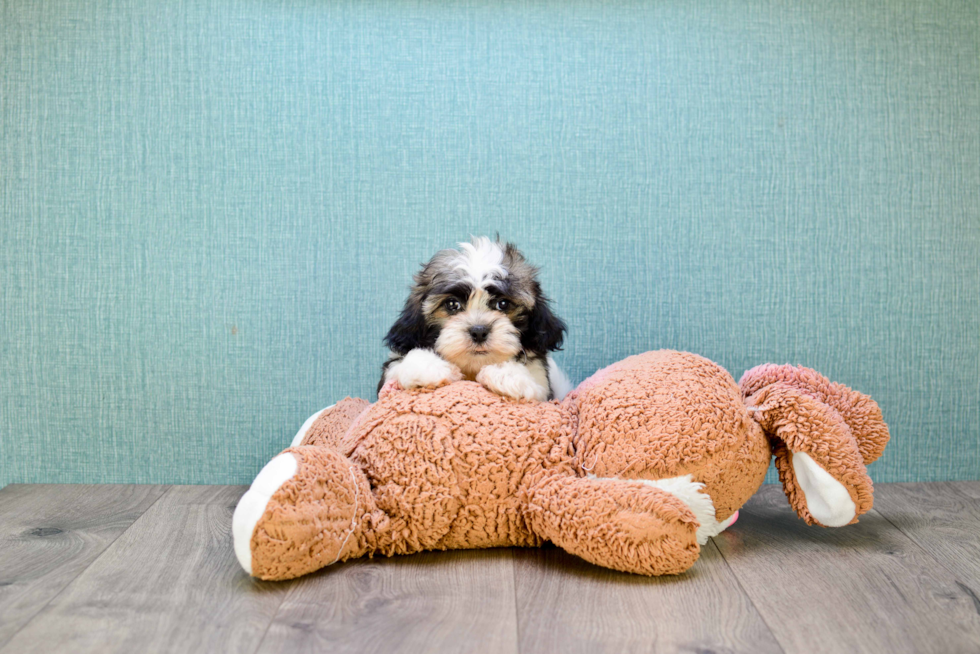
(621, 524)
(304, 511)
(689, 491)
(253, 503)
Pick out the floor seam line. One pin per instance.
(912, 539)
(760, 613)
(3, 646)
(517, 616)
(272, 620)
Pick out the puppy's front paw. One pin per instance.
(424, 369)
(512, 379)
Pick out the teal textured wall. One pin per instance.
(211, 208)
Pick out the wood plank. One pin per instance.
(49, 534)
(461, 601)
(170, 583)
(943, 518)
(864, 587)
(567, 605)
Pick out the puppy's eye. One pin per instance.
(452, 305)
(501, 305)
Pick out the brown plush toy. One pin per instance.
(634, 470)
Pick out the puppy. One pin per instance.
(478, 313)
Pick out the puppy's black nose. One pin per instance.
(479, 333)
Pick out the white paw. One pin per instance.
(423, 369)
(826, 498)
(511, 379)
(252, 505)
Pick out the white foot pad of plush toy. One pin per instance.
(689, 492)
(252, 505)
(826, 498)
(306, 426)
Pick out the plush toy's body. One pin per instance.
(634, 470)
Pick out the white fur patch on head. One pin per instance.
(481, 261)
(827, 499)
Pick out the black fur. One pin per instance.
(544, 331)
(411, 331)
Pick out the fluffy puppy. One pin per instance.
(478, 313)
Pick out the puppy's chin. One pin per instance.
(455, 345)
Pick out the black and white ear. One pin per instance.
(545, 331)
(410, 331)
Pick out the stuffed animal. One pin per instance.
(634, 470)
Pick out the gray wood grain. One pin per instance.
(860, 588)
(49, 534)
(167, 580)
(170, 583)
(567, 605)
(944, 519)
(445, 602)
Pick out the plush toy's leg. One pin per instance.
(621, 524)
(305, 429)
(308, 507)
(327, 427)
(817, 456)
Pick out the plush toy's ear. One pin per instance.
(860, 412)
(817, 456)
(545, 331)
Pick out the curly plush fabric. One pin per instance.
(859, 411)
(625, 472)
(841, 429)
(666, 414)
(332, 425)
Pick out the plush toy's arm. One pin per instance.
(817, 456)
(621, 524)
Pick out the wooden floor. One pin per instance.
(151, 568)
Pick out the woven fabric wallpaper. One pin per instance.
(211, 209)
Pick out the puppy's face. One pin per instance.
(476, 325)
(477, 306)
